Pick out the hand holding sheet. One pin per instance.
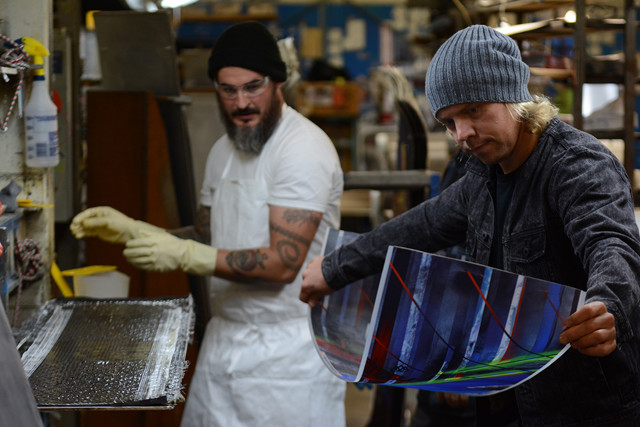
(591, 330)
(314, 287)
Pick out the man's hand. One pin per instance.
(314, 287)
(164, 252)
(591, 330)
(109, 225)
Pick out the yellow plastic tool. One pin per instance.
(89, 270)
(28, 203)
(64, 287)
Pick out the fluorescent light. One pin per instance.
(570, 16)
(142, 5)
(176, 3)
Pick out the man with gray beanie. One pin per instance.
(271, 189)
(539, 198)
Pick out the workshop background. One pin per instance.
(128, 81)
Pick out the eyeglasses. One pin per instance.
(250, 90)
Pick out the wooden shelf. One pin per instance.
(554, 73)
(519, 6)
(389, 180)
(590, 76)
(557, 27)
(228, 18)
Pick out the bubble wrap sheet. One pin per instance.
(83, 353)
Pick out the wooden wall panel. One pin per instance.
(128, 168)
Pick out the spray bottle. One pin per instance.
(41, 114)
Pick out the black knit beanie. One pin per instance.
(477, 64)
(248, 45)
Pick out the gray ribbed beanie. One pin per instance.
(477, 64)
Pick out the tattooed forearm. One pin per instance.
(203, 224)
(200, 231)
(245, 261)
(288, 249)
(302, 216)
(293, 236)
(186, 233)
(289, 254)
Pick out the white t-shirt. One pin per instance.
(299, 168)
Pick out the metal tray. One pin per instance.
(101, 353)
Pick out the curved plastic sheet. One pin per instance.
(441, 324)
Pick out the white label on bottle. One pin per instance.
(42, 136)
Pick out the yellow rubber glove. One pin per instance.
(165, 252)
(109, 224)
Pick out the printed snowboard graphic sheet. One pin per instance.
(441, 324)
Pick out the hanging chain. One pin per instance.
(29, 264)
(14, 57)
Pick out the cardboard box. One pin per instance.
(328, 99)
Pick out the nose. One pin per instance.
(242, 101)
(464, 130)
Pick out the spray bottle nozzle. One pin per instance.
(37, 51)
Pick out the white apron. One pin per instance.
(257, 365)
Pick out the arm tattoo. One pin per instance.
(187, 233)
(300, 215)
(289, 234)
(200, 231)
(289, 254)
(203, 224)
(245, 261)
(288, 250)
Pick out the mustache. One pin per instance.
(244, 111)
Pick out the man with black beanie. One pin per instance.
(271, 189)
(539, 198)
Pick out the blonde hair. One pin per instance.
(535, 114)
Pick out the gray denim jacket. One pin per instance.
(570, 221)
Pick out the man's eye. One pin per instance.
(252, 87)
(228, 90)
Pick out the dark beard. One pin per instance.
(252, 139)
